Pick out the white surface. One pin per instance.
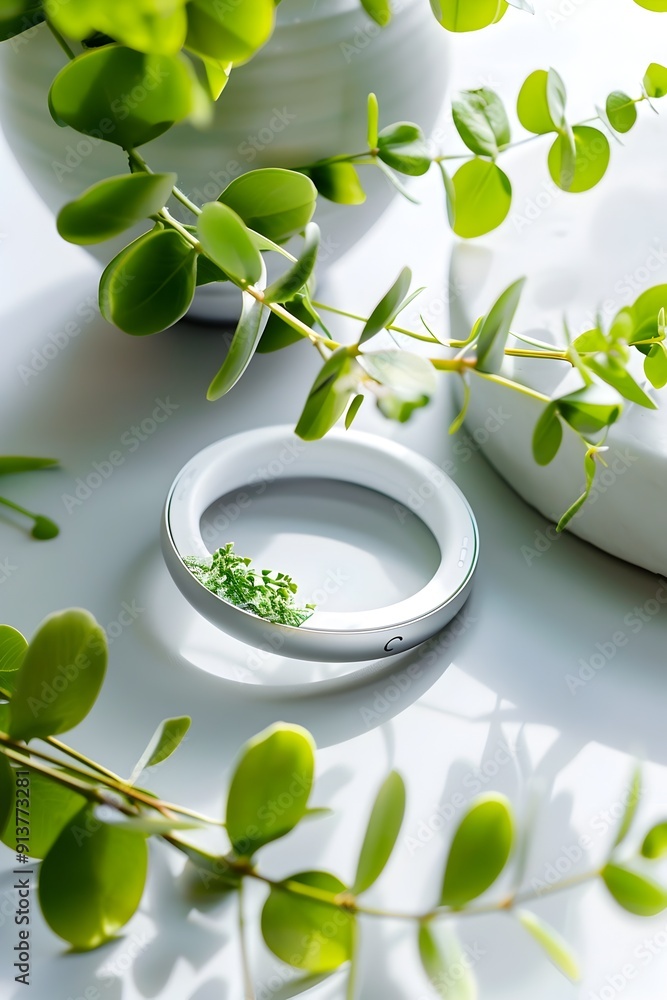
(503, 677)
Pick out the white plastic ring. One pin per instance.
(365, 460)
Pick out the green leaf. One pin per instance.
(10, 464)
(378, 10)
(140, 24)
(373, 118)
(547, 435)
(592, 340)
(225, 238)
(246, 338)
(616, 375)
(444, 962)
(655, 366)
(353, 409)
(229, 32)
(459, 419)
(122, 96)
(150, 284)
(338, 182)
(408, 381)
(305, 933)
(296, 277)
(295, 987)
(655, 842)
(631, 804)
(334, 385)
(589, 470)
(469, 16)
(92, 880)
(655, 80)
(388, 307)
(166, 738)
(17, 16)
(482, 198)
(494, 329)
(269, 791)
(403, 147)
(274, 202)
(44, 528)
(621, 111)
(591, 159)
(7, 792)
(635, 893)
(13, 647)
(556, 948)
(660, 6)
(479, 851)
(382, 832)
(541, 102)
(589, 410)
(113, 205)
(60, 677)
(52, 806)
(279, 334)
(481, 121)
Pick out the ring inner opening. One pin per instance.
(349, 548)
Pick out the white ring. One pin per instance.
(348, 456)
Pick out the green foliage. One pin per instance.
(482, 195)
(382, 832)
(244, 344)
(288, 284)
(51, 807)
(11, 464)
(165, 740)
(589, 471)
(353, 409)
(60, 676)
(403, 148)
(233, 578)
(481, 121)
(229, 32)
(145, 25)
(479, 851)
(150, 284)
(621, 111)
(278, 334)
(404, 382)
(493, 331)
(113, 205)
(274, 202)
(334, 386)
(277, 766)
(591, 409)
(227, 241)
(547, 436)
(632, 802)
(655, 80)
(13, 648)
(634, 892)
(655, 842)
(444, 962)
(304, 932)
(18, 15)
(388, 308)
(590, 161)
(469, 16)
(81, 895)
(659, 6)
(541, 102)
(91, 94)
(378, 10)
(338, 182)
(555, 947)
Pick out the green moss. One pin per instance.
(264, 593)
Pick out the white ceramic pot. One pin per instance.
(581, 253)
(303, 97)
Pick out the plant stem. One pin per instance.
(509, 384)
(248, 988)
(17, 507)
(75, 755)
(363, 319)
(315, 338)
(140, 162)
(64, 45)
(515, 352)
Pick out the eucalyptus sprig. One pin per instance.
(43, 528)
(90, 827)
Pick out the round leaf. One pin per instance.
(541, 102)
(402, 146)
(481, 121)
(547, 436)
(122, 96)
(274, 202)
(51, 807)
(339, 182)
(229, 32)
(269, 791)
(655, 366)
(228, 243)
(12, 651)
(635, 893)
(469, 16)
(482, 195)
(330, 393)
(378, 10)
(306, 933)
(655, 842)
(382, 832)
(92, 880)
(479, 851)
(113, 205)
(60, 677)
(655, 80)
(659, 6)
(591, 159)
(589, 410)
(621, 111)
(150, 285)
